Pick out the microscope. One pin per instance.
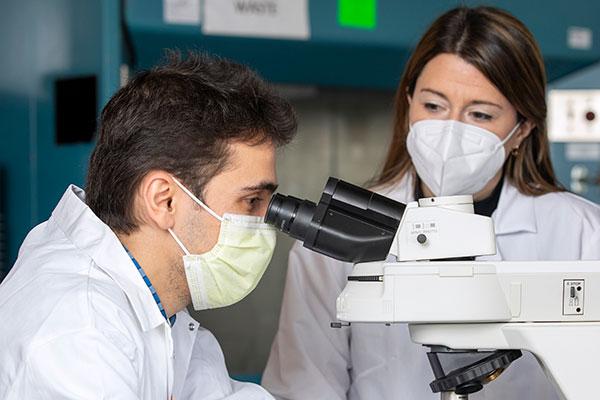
(416, 263)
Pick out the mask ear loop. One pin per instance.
(197, 200)
(200, 203)
(510, 135)
(185, 250)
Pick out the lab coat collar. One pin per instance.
(94, 238)
(402, 191)
(515, 212)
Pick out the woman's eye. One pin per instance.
(481, 116)
(432, 107)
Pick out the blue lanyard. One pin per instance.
(152, 290)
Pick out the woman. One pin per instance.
(470, 119)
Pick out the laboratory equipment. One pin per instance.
(454, 304)
(574, 130)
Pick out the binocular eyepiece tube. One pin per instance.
(349, 223)
(290, 215)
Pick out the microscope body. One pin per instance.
(551, 309)
(417, 264)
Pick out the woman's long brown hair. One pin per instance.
(504, 50)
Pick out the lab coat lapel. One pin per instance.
(515, 225)
(94, 238)
(515, 212)
(184, 335)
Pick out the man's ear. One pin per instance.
(157, 199)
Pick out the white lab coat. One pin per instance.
(310, 360)
(78, 322)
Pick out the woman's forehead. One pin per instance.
(451, 76)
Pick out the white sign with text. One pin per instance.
(276, 19)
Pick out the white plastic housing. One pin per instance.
(449, 233)
(466, 292)
(491, 305)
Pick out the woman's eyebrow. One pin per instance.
(484, 103)
(472, 103)
(442, 95)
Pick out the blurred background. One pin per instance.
(338, 61)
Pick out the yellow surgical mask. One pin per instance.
(233, 267)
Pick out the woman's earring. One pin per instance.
(515, 151)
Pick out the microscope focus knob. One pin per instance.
(421, 238)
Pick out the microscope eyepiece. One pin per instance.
(290, 215)
(278, 214)
(349, 223)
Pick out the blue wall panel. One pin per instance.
(340, 56)
(43, 41)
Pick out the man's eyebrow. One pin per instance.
(268, 186)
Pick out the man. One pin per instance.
(177, 184)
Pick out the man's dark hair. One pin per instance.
(179, 117)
